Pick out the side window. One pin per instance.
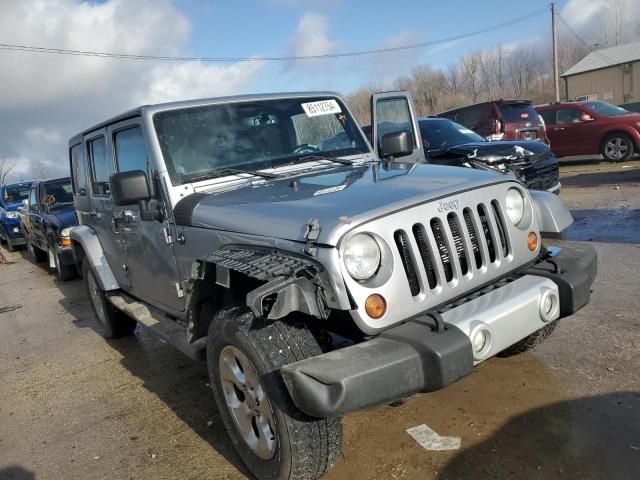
(100, 166)
(33, 200)
(131, 150)
(78, 170)
(568, 115)
(549, 117)
(473, 116)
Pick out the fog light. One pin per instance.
(549, 305)
(479, 340)
(16, 230)
(532, 241)
(375, 306)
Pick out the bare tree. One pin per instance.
(470, 66)
(39, 168)
(615, 23)
(453, 77)
(5, 168)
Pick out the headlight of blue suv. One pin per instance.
(65, 232)
(361, 256)
(514, 205)
(11, 214)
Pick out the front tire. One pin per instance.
(530, 342)
(112, 322)
(63, 272)
(37, 255)
(617, 147)
(273, 437)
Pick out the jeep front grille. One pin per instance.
(453, 247)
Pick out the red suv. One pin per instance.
(589, 128)
(500, 120)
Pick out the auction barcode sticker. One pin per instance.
(322, 107)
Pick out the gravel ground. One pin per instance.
(73, 406)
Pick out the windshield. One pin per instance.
(16, 193)
(57, 194)
(445, 133)
(518, 112)
(254, 135)
(606, 109)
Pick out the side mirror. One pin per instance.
(585, 117)
(128, 188)
(396, 144)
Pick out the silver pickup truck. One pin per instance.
(316, 272)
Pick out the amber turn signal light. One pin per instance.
(65, 242)
(375, 306)
(532, 241)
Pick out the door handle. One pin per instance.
(557, 129)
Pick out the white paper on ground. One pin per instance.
(430, 440)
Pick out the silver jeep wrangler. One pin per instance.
(317, 274)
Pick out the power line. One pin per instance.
(603, 57)
(86, 53)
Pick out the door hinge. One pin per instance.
(168, 239)
(179, 290)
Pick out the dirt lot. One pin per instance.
(73, 406)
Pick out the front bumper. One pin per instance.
(541, 175)
(420, 356)
(12, 231)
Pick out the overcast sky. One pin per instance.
(44, 99)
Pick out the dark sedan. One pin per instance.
(532, 162)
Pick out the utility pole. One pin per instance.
(556, 80)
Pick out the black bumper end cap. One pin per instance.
(573, 270)
(401, 361)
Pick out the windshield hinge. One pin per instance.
(179, 290)
(311, 235)
(168, 239)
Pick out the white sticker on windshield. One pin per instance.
(323, 107)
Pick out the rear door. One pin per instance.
(565, 134)
(393, 112)
(148, 243)
(80, 182)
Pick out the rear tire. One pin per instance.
(530, 342)
(112, 322)
(617, 147)
(273, 437)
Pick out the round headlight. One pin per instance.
(12, 214)
(361, 256)
(514, 205)
(65, 232)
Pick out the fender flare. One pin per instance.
(552, 214)
(87, 238)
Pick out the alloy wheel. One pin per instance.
(616, 148)
(250, 409)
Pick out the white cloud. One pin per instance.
(312, 36)
(45, 98)
(603, 21)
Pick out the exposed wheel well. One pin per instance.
(78, 255)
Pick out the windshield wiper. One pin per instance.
(230, 171)
(310, 158)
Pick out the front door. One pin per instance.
(100, 212)
(569, 135)
(393, 112)
(148, 243)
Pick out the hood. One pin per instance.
(12, 207)
(64, 217)
(339, 199)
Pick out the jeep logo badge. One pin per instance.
(448, 205)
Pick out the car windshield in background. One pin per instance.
(16, 193)
(57, 194)
(198, 141)
(518, 112)
(606, 109)
(445, 133)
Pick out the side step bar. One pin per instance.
(167, 329)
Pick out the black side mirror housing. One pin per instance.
(396, 144)
(128, 188)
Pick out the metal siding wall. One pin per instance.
(599, 81)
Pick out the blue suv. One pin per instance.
(11, 197)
